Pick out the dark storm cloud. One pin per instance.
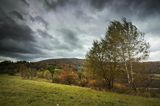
(25, 2)
(45, 34)
(10, 5)
(16, 39)
(10, 29)
(53, 4)
(81, 15)
(17, 14)
(140, 7)
(146, 6)
(99, 4)
(14, 47)
(70, 38)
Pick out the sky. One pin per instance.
(34, 30)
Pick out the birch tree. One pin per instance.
(134, 48)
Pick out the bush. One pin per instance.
(13, 72)
(47, 75)
(95, 83)
(26, 72)
(56, 78)
(40, 74)
(83, 82)
(68, 77)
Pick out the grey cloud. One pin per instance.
(147, 6)
(141, 8)
(52, 4)
(18, 47)
(99, 4)
(10, 5)
(40, 20)
(25, 2)
(69, 34)
(16, 39)
(17, 14)
(12, 30)
(132, 8)
(71, 38)
(81, 15)
(45, 34)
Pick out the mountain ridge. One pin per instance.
(63, 61)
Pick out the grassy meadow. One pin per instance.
(15, 91)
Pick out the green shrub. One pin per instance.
(40, 74)
(47, 75)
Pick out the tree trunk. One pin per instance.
(133, 85)
(128, 75)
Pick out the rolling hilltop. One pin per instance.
(74, 61)
(63, 63)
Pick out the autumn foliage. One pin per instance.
(68, 77)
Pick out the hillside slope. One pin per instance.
(74, 61)
(15, 91)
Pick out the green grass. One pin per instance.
(14, 91)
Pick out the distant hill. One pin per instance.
(152, 67)
(72, 61)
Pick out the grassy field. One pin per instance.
(15, 91)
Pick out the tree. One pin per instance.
(51, 69)
(133, 48)
(123, 44)
(101, 61)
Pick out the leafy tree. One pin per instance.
(133, 47)
(122, 45)
(51, 69)
(101, 62)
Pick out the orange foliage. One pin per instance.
(68, 77)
